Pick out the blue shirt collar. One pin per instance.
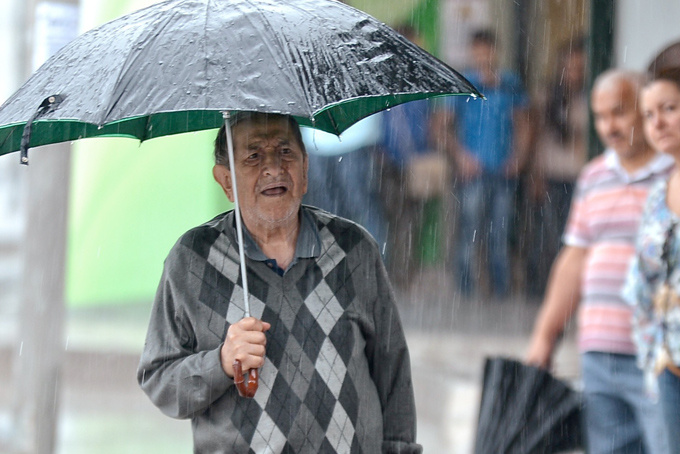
(308, 243)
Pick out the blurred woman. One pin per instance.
(654, 280)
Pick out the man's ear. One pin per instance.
(222, 175)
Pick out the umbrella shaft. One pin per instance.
(237, 214)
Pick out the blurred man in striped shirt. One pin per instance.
(590, 270)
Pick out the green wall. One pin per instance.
(130, 202)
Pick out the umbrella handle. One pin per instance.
(245, 388)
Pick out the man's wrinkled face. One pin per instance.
(271, 172)
(617, 120)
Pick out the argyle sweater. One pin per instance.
(336, 377)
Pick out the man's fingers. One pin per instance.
(237, 337)
(252, 324)
(245, 341)
(250, 362)
(250, 355)
(243, 351)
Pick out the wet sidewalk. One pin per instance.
(104, 411)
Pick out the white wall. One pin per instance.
(643, 28)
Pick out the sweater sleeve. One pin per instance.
(178, 379)
(391, 371)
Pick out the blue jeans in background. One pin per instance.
(486, 215)
(669, 398)
(619, 416)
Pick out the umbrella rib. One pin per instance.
(141, 41)
(206, 66)
(282, 46)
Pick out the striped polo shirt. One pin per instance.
(604, 219)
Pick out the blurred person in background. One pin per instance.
(653, 285)
(590, 271)
(560, 154)
(489, 142)
(411, 173)
(342, 175)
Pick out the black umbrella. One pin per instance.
(178, 65)
(184, 65)
(525, 410)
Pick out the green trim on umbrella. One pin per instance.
(334, 119)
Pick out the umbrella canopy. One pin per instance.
(525, 410)
(176, 66)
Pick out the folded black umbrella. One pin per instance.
(526, 410)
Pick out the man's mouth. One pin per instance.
(615, 139)
(275, 190)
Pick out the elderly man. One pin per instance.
(325, 333)
(590, 271)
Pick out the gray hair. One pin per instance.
(634, 79)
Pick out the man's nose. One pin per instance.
(272, 162)
(609, 126)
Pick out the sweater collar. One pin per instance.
(308, 242)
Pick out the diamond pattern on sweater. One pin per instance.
(305, 396)
(308, 333)
(331, 367)
(341, 431)
(327, 314)
(340, 282)
(306, 409)
(283, 405)
(313, 276)
(267, 434)
(247, 417)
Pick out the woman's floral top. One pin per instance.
(654, 275)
